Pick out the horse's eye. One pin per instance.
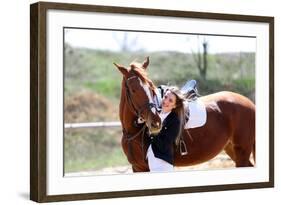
(134, 89)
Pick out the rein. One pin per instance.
(130, 137)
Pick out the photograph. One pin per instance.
(130, 102)
(111, 115)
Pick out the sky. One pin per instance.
(150, 42)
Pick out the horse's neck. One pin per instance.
(127, 117)
(122, 103)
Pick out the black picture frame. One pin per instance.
(39, 95)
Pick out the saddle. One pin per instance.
(189, 90)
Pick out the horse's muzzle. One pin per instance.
(155, 127)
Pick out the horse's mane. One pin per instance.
(142, 74)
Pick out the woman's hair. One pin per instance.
(179, 109)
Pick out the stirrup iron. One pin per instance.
(183, 149)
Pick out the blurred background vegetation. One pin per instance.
(92, 91)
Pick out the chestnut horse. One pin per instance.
(230, 124)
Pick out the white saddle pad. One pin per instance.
(198, 114)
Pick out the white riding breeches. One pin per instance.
(157, 165)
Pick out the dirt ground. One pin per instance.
(221, 161)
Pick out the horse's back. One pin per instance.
(228, 98)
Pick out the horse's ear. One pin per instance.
(122, 69)
(145, 63)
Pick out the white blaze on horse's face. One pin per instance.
(153, 109)
(149, 95)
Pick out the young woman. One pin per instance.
(160, 152)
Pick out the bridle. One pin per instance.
(137, 111)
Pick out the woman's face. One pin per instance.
(168, 102)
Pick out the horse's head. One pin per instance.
(140, 93)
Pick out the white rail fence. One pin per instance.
(92, 125)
